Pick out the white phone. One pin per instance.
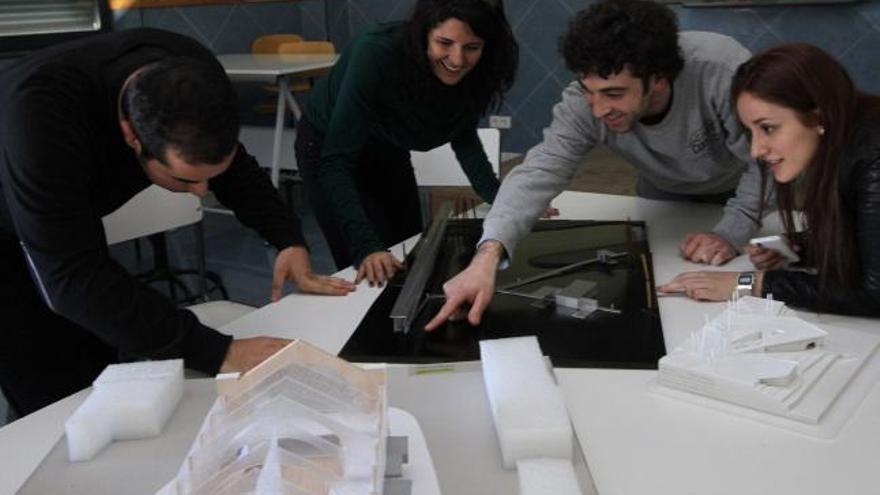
(776, 243)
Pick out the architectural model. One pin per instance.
(584, 288)
(531, 420)
(757, 354)
(128, 402)
(528, 408)
(303, 422)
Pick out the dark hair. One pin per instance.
(496, 71)
(811, 82)
(609, 36)
(184, 103)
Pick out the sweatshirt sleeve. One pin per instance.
(474, 162)
(247, 191)
(546, 171)
(742, 212)
(47, 181)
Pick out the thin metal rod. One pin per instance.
(202, 268)
(648, 282)
(549, 299)
(558, 271)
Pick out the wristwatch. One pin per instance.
(744, 283)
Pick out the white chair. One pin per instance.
(438, 167)
(155, 210)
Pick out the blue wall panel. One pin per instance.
(851, 32)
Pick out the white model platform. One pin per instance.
(759, 355)
(145, 466)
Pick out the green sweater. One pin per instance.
(361, 101)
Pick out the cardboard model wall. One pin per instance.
(303, 422)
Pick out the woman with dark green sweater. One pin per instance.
(398, 87)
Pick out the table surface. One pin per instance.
(272, 66)
(634, 441)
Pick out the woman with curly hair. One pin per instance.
(397, 87)
(819, 136)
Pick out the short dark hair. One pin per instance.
(615, 34)
(185, 103)
(494, 75)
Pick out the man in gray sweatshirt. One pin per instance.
(655, 95)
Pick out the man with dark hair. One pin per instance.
(657, 96)
(181, 102)
(86, 126)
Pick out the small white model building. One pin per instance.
(546, 476)
(303, 422)
(756, 355)
(128, 401)
(527, 406)
(531, 420)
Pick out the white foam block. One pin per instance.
(128, 401)
(547, 477)
(527, 406)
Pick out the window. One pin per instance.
(33, 17)
(29, 24)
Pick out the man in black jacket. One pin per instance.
(83, 128)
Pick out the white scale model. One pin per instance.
(758, 355)
(302, 422)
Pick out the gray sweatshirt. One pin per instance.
(698, 148)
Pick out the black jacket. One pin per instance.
(860, 192)
(64, 165)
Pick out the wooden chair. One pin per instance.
(288, 43)
(305, 47)
(269, 43)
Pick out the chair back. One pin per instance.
(438, 166)
(269, 43)
(307, 47)
(292, 43)
(151, 211)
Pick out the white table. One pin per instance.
(634, 442)
(277, 70)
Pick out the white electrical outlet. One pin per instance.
(499, 121)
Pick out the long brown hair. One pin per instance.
(811, 82)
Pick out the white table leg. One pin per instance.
(294, 106)
(283, 88)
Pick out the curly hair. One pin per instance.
(607, 37)
(493, 76)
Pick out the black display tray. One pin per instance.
(632, 339)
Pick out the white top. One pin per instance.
(269, 67)
(635, 442)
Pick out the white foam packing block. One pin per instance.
(547, 477)
(528, 408)
(129, 401)
(87, 432)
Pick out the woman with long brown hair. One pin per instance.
(819, 136)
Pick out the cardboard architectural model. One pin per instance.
(757, 354)
(304, 422)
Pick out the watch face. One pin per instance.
(745, 279)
